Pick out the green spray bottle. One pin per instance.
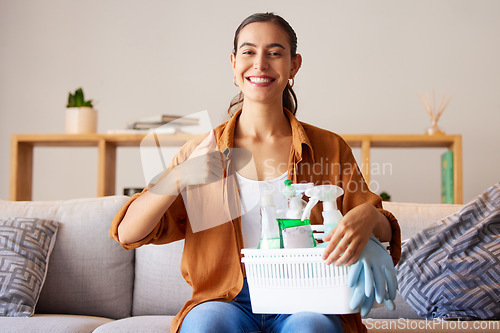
(294, 232)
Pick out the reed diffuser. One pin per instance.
(434, 111)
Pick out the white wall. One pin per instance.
(364, 63)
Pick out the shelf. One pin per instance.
(22, 145)
(369, 141)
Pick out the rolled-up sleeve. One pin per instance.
(172, 225)
(170, 228)
(395, 243)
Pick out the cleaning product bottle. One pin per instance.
(328, 194)
(270, 234)
(294, 232)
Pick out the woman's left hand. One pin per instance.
(351, 235)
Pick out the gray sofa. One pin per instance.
(93, 285)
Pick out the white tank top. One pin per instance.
(250, 194)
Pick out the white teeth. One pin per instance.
(259, 80)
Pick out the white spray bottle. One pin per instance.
(328, 194)
(270, 234)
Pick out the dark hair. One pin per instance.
(289, 97)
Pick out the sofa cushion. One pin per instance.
(414, 217)
(142, 324)
(25, 248)
(52, 323)
(403, 310)
(159, 288)
(89, 273)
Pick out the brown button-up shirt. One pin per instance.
(211, 262)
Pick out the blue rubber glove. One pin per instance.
(373, 277)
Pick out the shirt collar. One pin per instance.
(299, 136)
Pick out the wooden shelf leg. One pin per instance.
(457, 174)
(365, 160)
(106, 168)
(21, 171)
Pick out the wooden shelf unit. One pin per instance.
(451, 142)
(21, 158)
(22, 145)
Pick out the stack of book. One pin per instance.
(159, 121)
(162, 123)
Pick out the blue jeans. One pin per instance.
(236, 316)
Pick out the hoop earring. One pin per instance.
(291, 84)
(234, 82)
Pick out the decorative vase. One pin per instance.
(81, 120)
(434, 129)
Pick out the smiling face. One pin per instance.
(263, 64)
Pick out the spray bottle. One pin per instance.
(270, 234)
(294, 232)
(328, 194)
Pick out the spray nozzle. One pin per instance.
(307, 210)
(293, 195)
(328, 194)
(292, 190)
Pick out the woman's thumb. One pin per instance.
(205, 146)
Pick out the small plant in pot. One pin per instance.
(81, 117)
(385, 196)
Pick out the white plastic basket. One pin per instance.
(294, 280)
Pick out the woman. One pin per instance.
(264, 62)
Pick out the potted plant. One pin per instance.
(81, 117)
(385, 196)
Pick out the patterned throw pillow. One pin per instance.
(452, 270)
(25, 248)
